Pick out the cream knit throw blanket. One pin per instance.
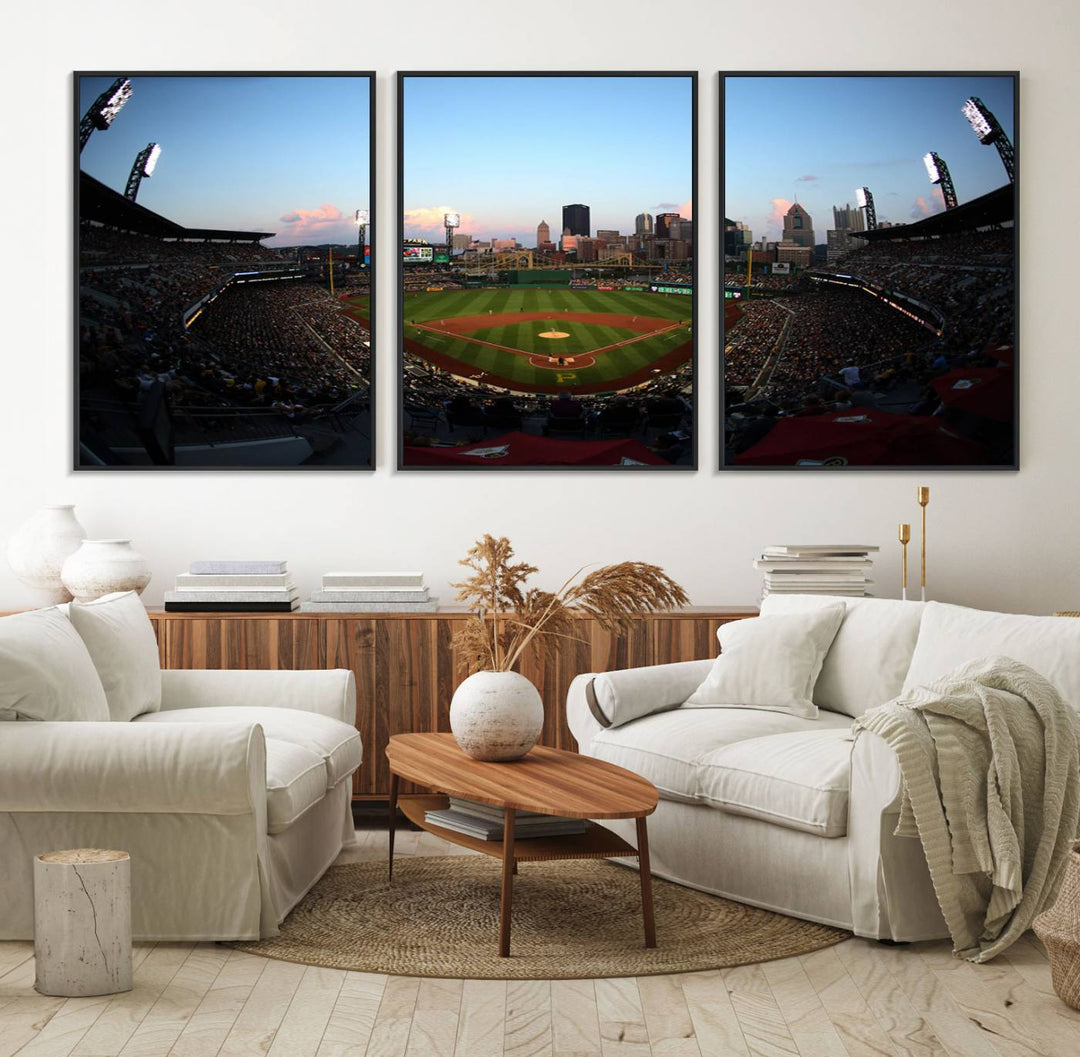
(990, 761)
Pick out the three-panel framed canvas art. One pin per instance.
(548, 272)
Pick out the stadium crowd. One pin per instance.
(99, 245)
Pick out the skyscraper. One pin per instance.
(847, 219)
(643, 224)
(575, 219)
(543, 233)
(663, 224)
(799, 226)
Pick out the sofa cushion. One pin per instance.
(622, 696)
(295, 780)
(869, 658)
(668, 748)
(121, 642)
(799, 780)
(45, 670)
(336, 743)
(770, 662)
(953, 635)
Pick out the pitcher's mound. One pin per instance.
(554, 334)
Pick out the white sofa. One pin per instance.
(792, 814)
(232, 793)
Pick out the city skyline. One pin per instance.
(287, 154)
(839, 133)
(507, 152)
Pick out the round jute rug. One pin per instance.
(575, 918)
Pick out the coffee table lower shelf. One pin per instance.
(596, 842)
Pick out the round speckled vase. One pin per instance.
(101, 567)
(37, 551)
(496, 715)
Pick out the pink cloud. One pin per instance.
(687, 210)
(775, 219)
(327, 223)
(925, 208)
(808, 178)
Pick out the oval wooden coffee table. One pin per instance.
(549, 781)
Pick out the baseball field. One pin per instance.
(550, 340)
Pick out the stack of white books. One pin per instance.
(371, 593)
(817, 569)
(234, 587)
(486, 822)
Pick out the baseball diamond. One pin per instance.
(550, 340)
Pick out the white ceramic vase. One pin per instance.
(38, 550)
(496, 715)
(100, 567)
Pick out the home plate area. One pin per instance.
(474, 328)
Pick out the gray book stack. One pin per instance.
(486, 822)
(371, 593)
(234, 587)
(817, 569)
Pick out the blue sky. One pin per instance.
(818, 138)
(281, 154)
(508, 152)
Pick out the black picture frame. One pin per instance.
(151, 422)
(690, 464)
(991, 434)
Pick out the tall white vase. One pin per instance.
(100, 567)
(38, 550)
(496, 715)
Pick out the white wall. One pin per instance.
(1003, 540)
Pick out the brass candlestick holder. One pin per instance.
(923, 497)
(904, 535)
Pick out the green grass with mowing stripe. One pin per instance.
(610, 366)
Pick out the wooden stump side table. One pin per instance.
(548, 781)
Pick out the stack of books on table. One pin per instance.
(371, 593)
(817, 569)
(486, 822)
(234, 587)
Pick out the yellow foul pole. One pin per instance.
(330, 258)
(749, 268)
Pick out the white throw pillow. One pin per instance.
(45, 670)
(770, 662)
(869, 657)
(121, 641)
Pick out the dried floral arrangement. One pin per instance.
(507, 615)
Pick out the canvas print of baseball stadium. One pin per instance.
(223, 270)
(869, 252)
(547, 270)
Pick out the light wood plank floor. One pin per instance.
(857, 999)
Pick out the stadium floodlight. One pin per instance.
(452, 222)
(865, 200)
(362, 217)
(989, 131)
(145, 163)
(939, 174)
(103, 110)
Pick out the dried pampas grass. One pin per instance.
(507, 615)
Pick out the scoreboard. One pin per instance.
(417, 254)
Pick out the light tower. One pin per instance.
(104, 109)
(145, 162)
(452, 221)
(865, 200)
(989, 130)
(361, 232)
(938, 172)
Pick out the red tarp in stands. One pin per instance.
(862, 438)
(523, 449)
(986, 391)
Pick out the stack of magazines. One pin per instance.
(234, 587)
(817, 569)
(486, 822)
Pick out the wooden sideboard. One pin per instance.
(406, 666)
